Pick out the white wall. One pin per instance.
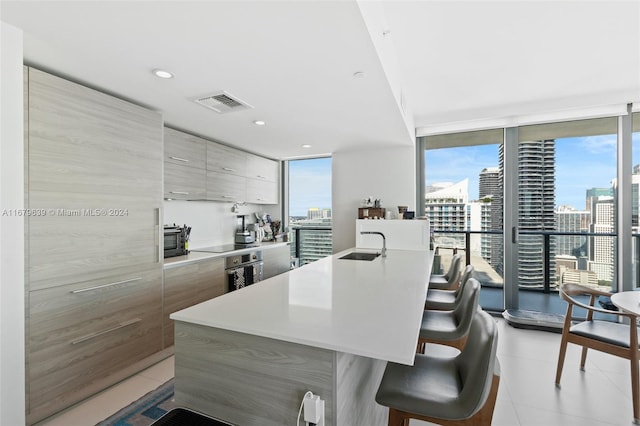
(388, 174)
(212, 223)
(12, 371)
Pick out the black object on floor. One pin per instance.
(184, 417)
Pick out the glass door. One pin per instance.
(463, 200)
(566, 210)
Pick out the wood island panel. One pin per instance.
(256, 381)
(248, 380)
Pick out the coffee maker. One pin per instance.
(243, 236)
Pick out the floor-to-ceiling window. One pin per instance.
(567, 204)
(564, 208)
(463, 195)
(309, 205)
(635, 199)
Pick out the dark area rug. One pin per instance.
(145, 410)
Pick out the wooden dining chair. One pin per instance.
(614, 338)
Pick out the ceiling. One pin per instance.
(426, 64)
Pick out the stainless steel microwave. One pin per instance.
(174, 241)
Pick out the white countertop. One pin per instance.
(196, 256)
(368, 308)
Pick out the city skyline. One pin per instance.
(582, 163)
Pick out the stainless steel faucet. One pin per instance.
(384, 241)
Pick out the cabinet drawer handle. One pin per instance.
(179, 159)
(179, 192)
(227, 196)
(82, 290)
(109, 330)
(260, 199)
(261, 177)
(228, 169)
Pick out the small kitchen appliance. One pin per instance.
(243, 236)
(176, 238)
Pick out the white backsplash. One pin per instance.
(212, 223)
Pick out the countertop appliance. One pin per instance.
(244, 269)
(175, 240)
(243, 236)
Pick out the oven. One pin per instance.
(243, 269)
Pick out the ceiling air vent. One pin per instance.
(223, 102)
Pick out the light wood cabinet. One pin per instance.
(223, 159)
(276, 260)
(261, 192)
(93, 258)
(184, 182)
(84, 332)
(226, 187)
(261, 168)
(189, 285)
(184, 149)
(228, 174)
(185, 160)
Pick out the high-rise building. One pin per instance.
(445, 206)
(568, 219)
(479, 219)
(489, 182)
(635, 198)
(536, 203)
(314, 213)
(490, 193)
(314, 237)
(602, 249)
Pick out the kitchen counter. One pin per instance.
(367, 308)
(329, 327)
(195, 256)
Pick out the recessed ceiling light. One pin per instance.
(306, 146)
(259, 123)
(359, 74)
(162, 73)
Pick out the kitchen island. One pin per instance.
(248, 357)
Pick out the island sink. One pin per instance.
(356, 255)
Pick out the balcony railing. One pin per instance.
(537, 267)
(311, 243)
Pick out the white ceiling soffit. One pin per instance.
(457, 63)
(293, 61)
(478, 64)
(525, 120)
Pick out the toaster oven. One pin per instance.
(175, 239)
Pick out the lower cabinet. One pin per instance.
(84, 335)
(188, 285)
(276, 260)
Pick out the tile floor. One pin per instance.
(599, 396)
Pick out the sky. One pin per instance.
(581, 163)
(309, 185)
